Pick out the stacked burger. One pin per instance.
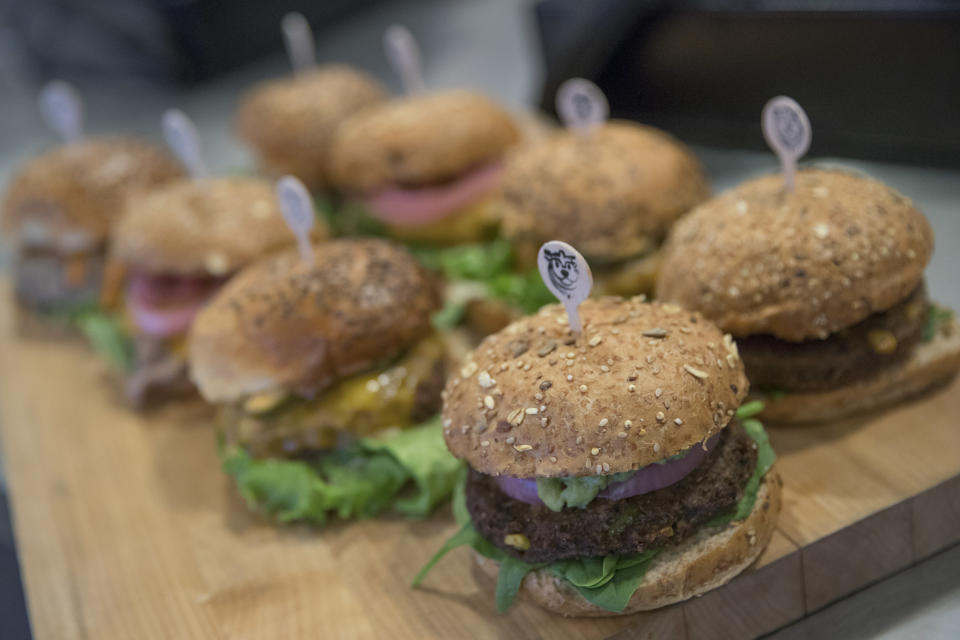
(614, 470)
(822, 286)
(176, 247)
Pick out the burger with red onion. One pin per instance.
(175, 248)
(610, 471)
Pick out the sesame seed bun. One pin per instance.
(705, 561)
(931, 364)
(419, 140)
(796, 265)
(614, 192)
(82, 187)
(282, 325)
(290, 121)
(192, 227)
(627, 399)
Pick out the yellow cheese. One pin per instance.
(472, 223)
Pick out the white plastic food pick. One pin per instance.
(297, 208)
(298, 39)
(181, 136)
(403, 52)
(582, 105)
(567, 275)
(787, 131)
(62, 109)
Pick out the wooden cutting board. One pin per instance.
(126, 528)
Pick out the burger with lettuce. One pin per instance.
(58, 210)
(610, 471)
(327, 379)
(170, 252)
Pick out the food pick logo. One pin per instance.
(563, 271)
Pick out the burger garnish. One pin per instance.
(177, 246)
(633, 449)
(328, 378)
(822, 286)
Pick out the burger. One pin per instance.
(58, 210)
(170, 252)
(425, 166)
(614, 191)
(610, 471)
(326, 377)
(289, 122)
(823, 289)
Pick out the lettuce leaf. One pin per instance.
(106, 336)
(410, 471)
(607, 582)
(575, 491)
(936, 316)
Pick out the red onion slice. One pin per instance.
(648, 479)
(427, 204)
(165, 305)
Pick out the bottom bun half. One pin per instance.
(931, 364)
(705, 561)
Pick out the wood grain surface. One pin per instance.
(126, 528)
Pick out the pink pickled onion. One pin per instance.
(646, 480)
(427, 204)
(164, 305)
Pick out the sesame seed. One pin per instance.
(571, 354)
(511, 440)
(606, 466)
(631, 388)
(627, 424)
(595, 451)
(531, 411)
(538, 396)
(604, 422)
(656, 447)
(595, 340)
(678, 421)
(468, 369)
(622, 434)
(447, 422)
(586, 464)
(488, 402)
(821, 230)
(485, 381)
(696, 373)
(465, 428)
(604, 368)
(546, 384)
(599, 469)
(660, 416)
(579, 439)
(523, 447)
(658, 392)
(485, 443)
(515, 417)
(553, 458)
(583, 388)
(569, 378)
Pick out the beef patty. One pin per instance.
(47, 281)
(630, 525)
(856, 353)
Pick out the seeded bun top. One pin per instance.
(291, 121)
(642, 382)
(797, 265)
(614, 192)
(419, 140)
(282, 325)
(72, 194)
(193, 227)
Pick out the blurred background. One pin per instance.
(880, 81)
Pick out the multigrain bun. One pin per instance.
(419, 140)
(533, 400)
(930, 364)
(283, 325)
(796, 265)
(705, 561)
(614, 192)
(83, 186)
(210, 226)
(291, 121)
